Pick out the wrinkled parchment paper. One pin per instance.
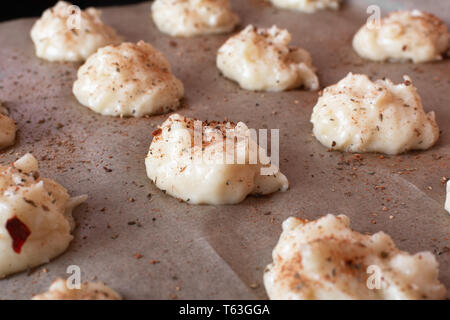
(147, 245)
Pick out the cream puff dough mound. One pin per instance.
(403, 36)
(324, 259)
(66, 34)
(35, 217)
(88, 291)
(308, 6)
(198, 172)
(447, 201)
(7, 128)
(128, 80)
(358, 115)
(188, 18)
(261, 60)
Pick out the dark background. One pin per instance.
(13, 9)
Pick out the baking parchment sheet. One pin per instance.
(148, 245)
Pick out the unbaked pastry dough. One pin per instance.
(188, 18)
(308, 6)
(359, 115)
(325, 259)
(128, 80)
(174, 163)
(57, 36)
(35, 217)
(403, 36)
(7, 128)
(447, 201)
(88, 291)
(260, 59)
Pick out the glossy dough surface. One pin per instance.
(403, 36)
(88, 291)
(64, 33)
(308, 6)
(7, 128)
(359, 115)
(128, 80)
(447, 201)
(188, 18)
(260, 59)
(325, 259)
(35, 217)
(173, 165)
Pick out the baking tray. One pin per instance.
(148, 245)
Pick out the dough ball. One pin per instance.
(7, 128)
(403, 36)
(65, 34)
(260, 59)
(359, 115)
(188, 18)
(128, 80)
(326, 260)
(447, 201)
(88, 291)
(35, 217)
(204, 171)
(308, 6)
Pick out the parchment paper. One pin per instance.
(154, 247)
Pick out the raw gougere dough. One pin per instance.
(128, 80)
(175, 165)
(188, 18)
(35, 217)
(7, 128)
(89, 291)
(325, 259)
(260, 59)
(308, 6)
(57, 37)
(359, 115)
(403, 36)
(447, 201)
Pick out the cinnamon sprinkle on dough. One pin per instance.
(88, 291)
(260, 59)
(403, 36)
(128, 80)
(35, 217)
(188, 18)
(359, 115)
(66, 34)
(199, 173)
(325, 260)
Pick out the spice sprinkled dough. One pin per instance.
(88, 291)
(209, 171)
(7, 128)
(308, 6)
(359, 115)
(260, 59)
(35, 217)
(65, 33)
(326, 260)
(188, 18)
(128, 80)
(403, 36)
